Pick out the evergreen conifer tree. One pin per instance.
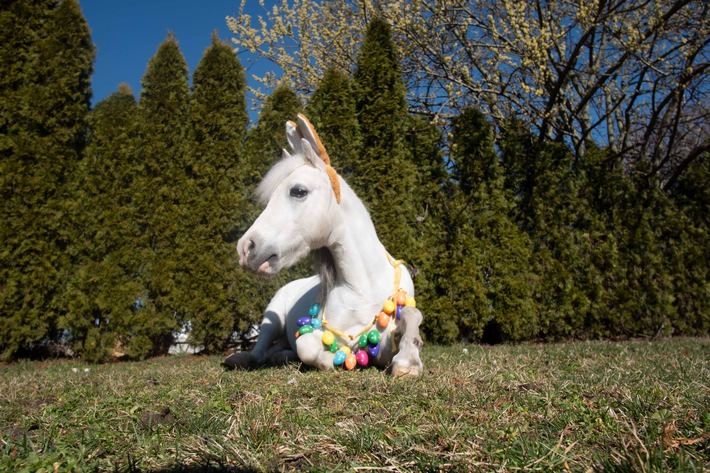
(47, 60)
(424, 145)
(484, 280)
(549, 209)
(643, 300)
(219, 123)
(267, 139)
(104, 287)
(689, 249)
(331, 110)
(384, 171)
(162, 200)
(606, 191)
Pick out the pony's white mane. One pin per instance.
(277, 174)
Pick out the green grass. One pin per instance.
(632, 406)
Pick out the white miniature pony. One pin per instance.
(359, 309)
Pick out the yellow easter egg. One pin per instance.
(389, 306)
(328, 338)
(346, 349)
(410, 302)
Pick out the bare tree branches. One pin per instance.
(628, 75)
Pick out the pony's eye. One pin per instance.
(298, 192)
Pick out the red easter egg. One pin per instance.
(362, 358)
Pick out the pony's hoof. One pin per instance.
(401, 370)
(238, 361)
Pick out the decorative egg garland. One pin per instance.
(368, 340)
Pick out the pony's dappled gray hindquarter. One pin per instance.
(359, 309)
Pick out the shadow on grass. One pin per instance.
(202, 469)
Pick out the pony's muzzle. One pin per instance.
(255, 256)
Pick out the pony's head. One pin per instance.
(302, 195)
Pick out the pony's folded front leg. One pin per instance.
(312, 352)
(406, 363)
(271, 330)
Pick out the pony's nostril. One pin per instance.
(249, 247)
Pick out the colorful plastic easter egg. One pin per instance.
(362, 342)
(410, 302)
(400, 297)
(363, 359)
(316, 323)
(388, 307)
(383, 320)
(399, 311)
(373, 337)
(333, 347)
(303, 321)
(328, 338)
(305, 329)
(339, 358)
(298, 333)
(374, 350)
(346, 349)
(350, 361)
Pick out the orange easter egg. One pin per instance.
(400, 297)
(383, 320)
(350, 361)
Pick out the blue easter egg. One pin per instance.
(339, 358)
(315, 309)
(303, 321)
(316, 323)
(399, 311)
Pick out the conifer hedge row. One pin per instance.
(119, 223)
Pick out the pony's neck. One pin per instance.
(363, 274)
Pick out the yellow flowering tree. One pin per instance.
(628, 75)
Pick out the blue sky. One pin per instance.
(127, 34)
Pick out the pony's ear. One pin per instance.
(294, 137)
(308, 132)
(311, 155)
(312, 148)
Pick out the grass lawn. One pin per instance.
(597, 406)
